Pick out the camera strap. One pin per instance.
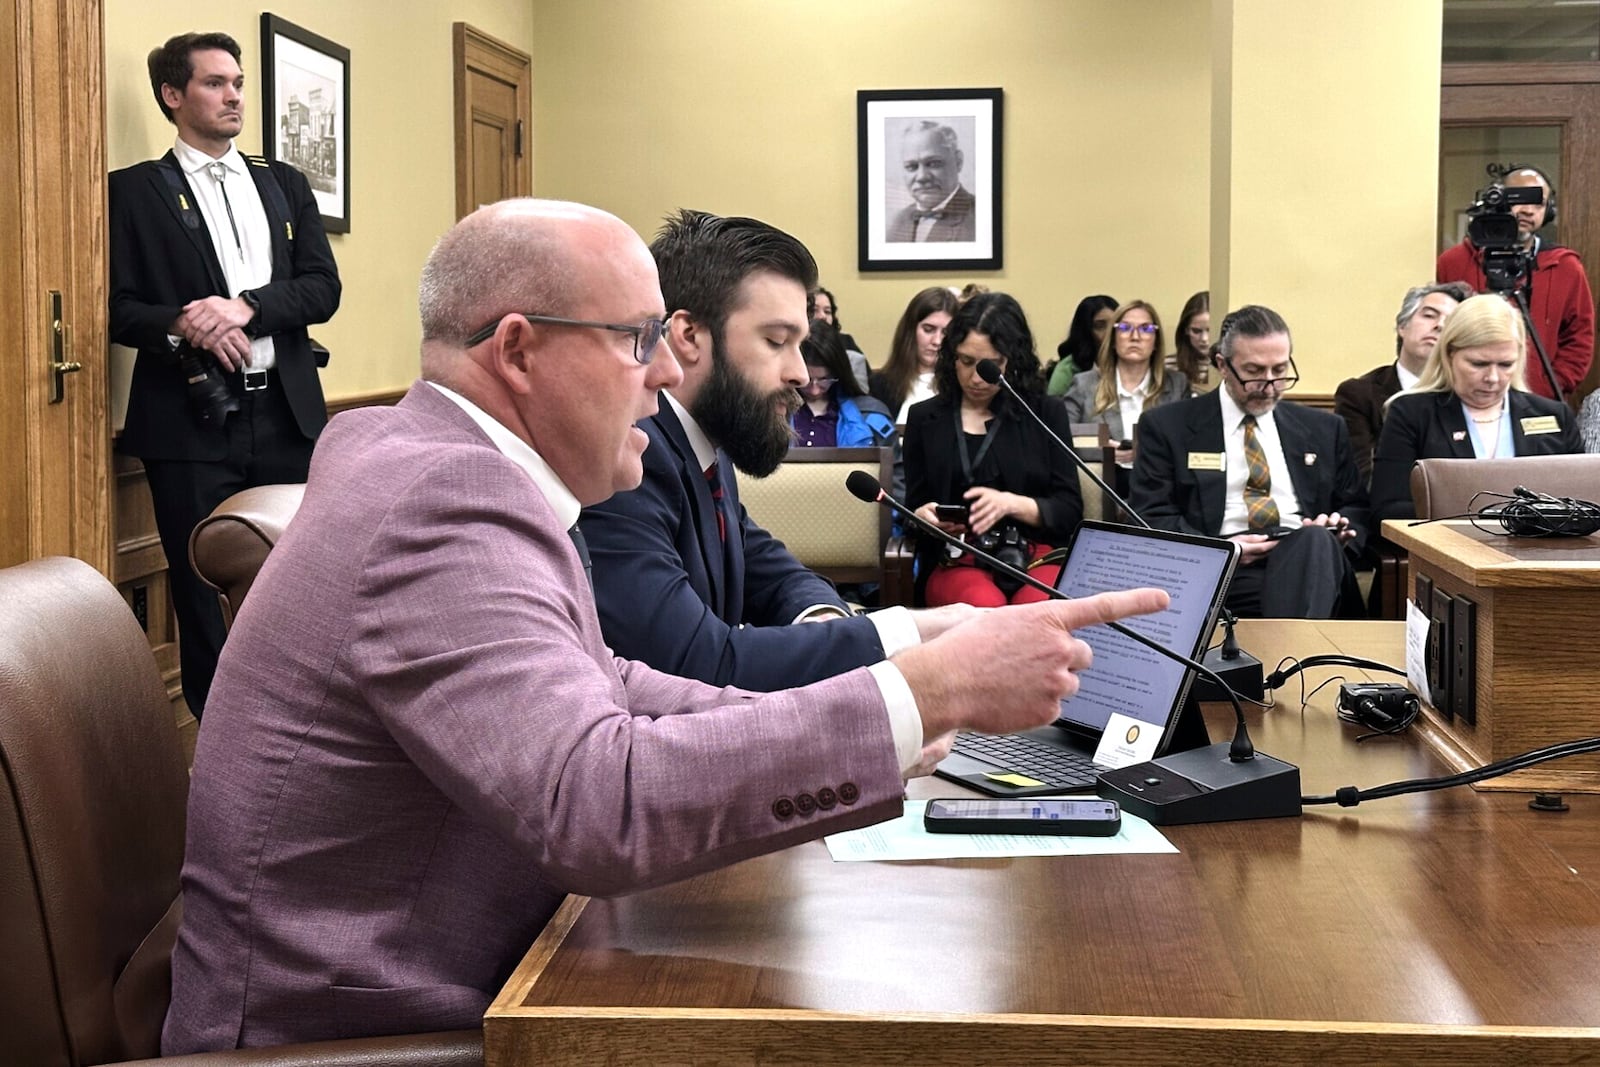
(969, 463)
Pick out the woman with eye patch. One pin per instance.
(1128, 379)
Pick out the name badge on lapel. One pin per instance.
(1207, 461)
(1541, 424)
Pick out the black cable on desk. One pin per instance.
(1350, 796)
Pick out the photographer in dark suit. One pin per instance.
(218, 264)
(1277, 477)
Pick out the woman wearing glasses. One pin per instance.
(835, 413)
(1469, 402)
(1128, 379)
(977, 466)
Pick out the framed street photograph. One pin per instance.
(928, 179)
(305, 93)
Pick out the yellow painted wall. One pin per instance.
(1325, 169)
(402, 148)
(748, 107)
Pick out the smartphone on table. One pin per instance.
(1090, 817)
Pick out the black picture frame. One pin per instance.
(305, 112)
(961, 231)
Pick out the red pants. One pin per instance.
(962, 581)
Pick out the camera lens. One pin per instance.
(210, 399)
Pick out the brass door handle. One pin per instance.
(61, 345)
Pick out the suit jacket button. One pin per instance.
(805, 803)
(783, 809)
(826, 798)
(849, 794)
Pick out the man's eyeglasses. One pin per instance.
(1143, 329)
(646, 335)
(1263, 385)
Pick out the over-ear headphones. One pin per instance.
(1549, 188)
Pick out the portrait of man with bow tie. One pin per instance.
(930, 164)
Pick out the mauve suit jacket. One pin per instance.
(417, 743)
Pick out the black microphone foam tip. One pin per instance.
(989, 371)
(863, 486)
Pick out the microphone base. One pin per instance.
(1204, 785)
(1243, 674)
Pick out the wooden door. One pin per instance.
(1551, 113)
(54, 475)
(494, 120)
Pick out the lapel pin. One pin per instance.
(1311, 459)
(1459, 435)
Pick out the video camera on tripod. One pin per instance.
(1493, 228)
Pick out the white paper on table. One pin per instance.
(1417, 649)
(905, 839)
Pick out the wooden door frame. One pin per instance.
(1542, 94)
(472, 49)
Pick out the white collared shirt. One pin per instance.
(926, 223)
(921, 389)
(1235, 517)
(897, 629)
(1408, 381)
(247, 262)
(1130, 403)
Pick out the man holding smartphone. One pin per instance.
(1277, 477)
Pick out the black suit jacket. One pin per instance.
(1433, 426)
(671, 594)
(1171, 495)
(160, 262)
(1359, 402)
(1022, 460)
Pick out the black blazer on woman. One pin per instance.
(1433, 426)
(1022, 460)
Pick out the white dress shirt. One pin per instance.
(921, 389)
(1130, 404)
(247, 261)
(1235, 517)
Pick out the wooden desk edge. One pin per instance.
(711, 1035)
(1483, 564)
(515, 992)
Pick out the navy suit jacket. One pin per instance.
(160, 262)
(1171, 495)
(670, 594)
(1432, 426)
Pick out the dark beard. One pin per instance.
(743, 422)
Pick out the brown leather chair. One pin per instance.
(92, 795)
(1443, 487)
(229, 546)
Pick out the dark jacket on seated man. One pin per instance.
(1432, 426)
(1180, 483)
(1360, 403)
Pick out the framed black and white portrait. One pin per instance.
(928, 179)
(306, 112)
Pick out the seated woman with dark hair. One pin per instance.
(835, 412)
(1469, 403)
(971, 446)
(1090, 323)
(907, 376)
(1127, 380)
(826, 308)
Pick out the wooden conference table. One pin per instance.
(1453, 927)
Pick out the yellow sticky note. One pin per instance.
(1206, 461)
(1541, 424)
(1021, 781)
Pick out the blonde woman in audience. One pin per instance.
(1469, 402)
(1128, 379)
(908, 375)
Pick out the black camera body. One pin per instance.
(1493, 228)
(210, 399)
(1004, 541)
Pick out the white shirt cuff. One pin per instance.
(905, 721)
(821, 611)
(897, 630)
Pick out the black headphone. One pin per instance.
(1549, 188)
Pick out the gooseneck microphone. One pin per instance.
(864, 486)
(1217, 783)
(1239, 671)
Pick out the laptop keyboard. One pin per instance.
(1056, 767)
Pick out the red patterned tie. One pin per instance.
(714, 479)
